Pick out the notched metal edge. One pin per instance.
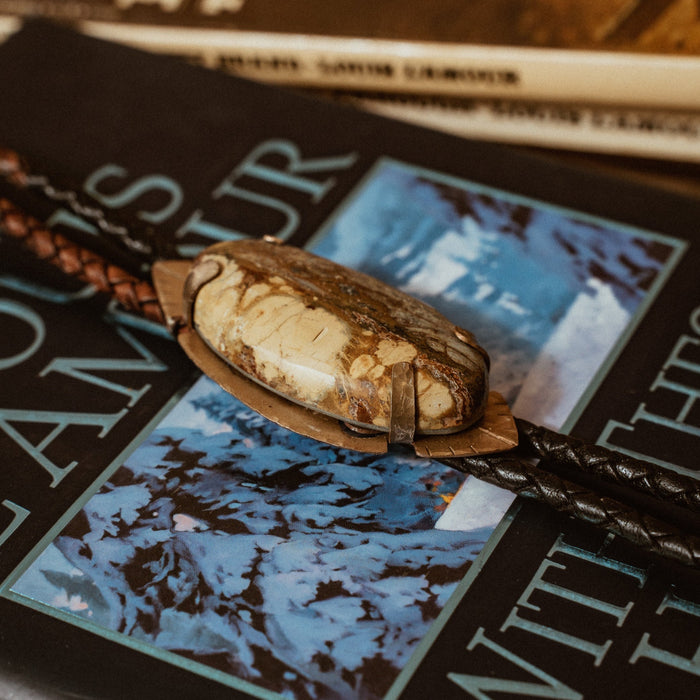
(495, 432)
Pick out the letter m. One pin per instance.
(480, 686)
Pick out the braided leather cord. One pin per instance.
(15, 170)
(530, 481)
(131, 292)
(566, 451)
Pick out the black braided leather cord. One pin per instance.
(530, 481)
(615, 467)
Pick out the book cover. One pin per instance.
(638, 53)
(158, 538)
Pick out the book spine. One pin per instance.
(629, 131)
(424, 67)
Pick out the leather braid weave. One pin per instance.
(131, 292)
(15, 170)
(566, 451)
(525, 479)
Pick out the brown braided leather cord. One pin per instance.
(615, 467)
(16, 171)
(131, 292)
(525, 479)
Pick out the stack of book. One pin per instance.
(608, 76)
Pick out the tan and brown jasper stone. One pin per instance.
(327, 337)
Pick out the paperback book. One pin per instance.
(604, 129)
(642, 53)
(159, 538)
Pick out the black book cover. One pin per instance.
(158, 543)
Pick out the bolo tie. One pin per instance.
(341, 357)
